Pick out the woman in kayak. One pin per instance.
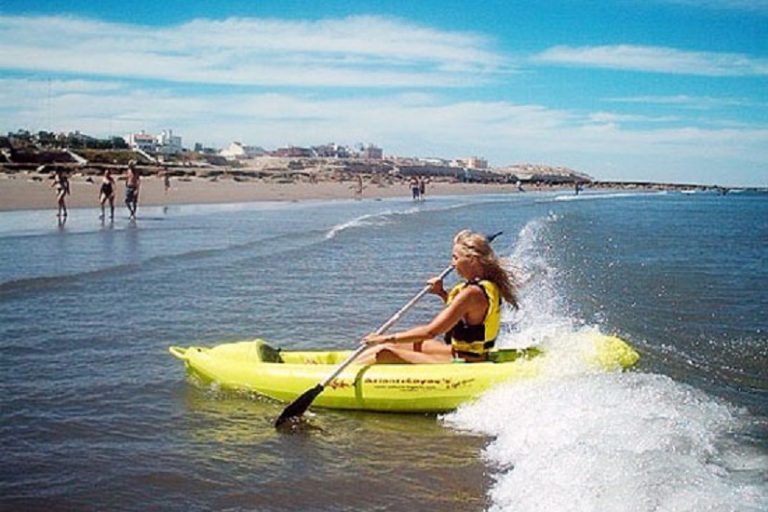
(470, 320)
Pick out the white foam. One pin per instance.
(370, 219)
(614, 195)
(385, 217)
(576, 440)
(541, 315)
(625, 442)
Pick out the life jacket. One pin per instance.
(476, 340)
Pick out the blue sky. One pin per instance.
(644, 90)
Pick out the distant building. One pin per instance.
(205, 150)
(168, 144)
(475, 162)
(372, 152)
(238, 151)
(142, 140)
(293, 152)
(434, 161)
(331, 150)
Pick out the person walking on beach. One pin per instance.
(132, 188)
(107, 193)
(61, 184)
(422, 188)
(166, 183)
(471, 319)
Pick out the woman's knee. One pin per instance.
(388, 354)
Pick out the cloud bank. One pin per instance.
(656, 59)
(362, 51)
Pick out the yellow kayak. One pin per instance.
(254, 366)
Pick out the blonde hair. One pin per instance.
(476, 246)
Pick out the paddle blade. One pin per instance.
(300, 405)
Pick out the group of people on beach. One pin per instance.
(418, 188)
(107, 191)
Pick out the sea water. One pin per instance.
(96, 415)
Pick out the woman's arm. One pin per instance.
(469, 298)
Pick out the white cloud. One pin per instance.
(691, 102)
(350, 52)
(612, 117)
(656, 59)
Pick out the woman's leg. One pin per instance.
(437, 347)
(62, 204)
(432, 351)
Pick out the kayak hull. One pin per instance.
(253, 366)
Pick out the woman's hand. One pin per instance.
(436, 287)
(375, 339)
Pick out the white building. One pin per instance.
(142, 140)
(237, 150)
(168, 144)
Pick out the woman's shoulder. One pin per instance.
(471, 292)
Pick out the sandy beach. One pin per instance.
(28, 191)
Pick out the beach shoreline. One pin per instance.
(21, 191)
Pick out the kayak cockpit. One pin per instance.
(258, 351)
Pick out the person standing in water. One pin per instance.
(61, 184)
(471, 319)
(414, 188)
(132, 182)
(107, 193)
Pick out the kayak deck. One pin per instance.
(255, 366)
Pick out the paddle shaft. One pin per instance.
(389, 323)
